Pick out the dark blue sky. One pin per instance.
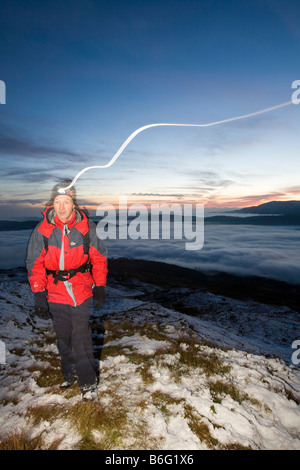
(82, 75)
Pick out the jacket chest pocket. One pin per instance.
(74, 240)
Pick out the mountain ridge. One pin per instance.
(286, 212)
(273, 208)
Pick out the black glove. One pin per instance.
(99, 297)
(41, 305)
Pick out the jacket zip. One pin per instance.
(68, 285)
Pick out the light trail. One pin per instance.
(140, 129)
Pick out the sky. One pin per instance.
(81, 76)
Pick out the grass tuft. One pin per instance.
(25, 440)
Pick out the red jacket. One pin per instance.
(65, 251)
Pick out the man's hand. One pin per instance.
(99, 297)
(41, 305)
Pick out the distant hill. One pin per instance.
(273, 208)
(270, 213)
(282, 220)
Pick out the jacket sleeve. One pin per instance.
(98, 257)
(35, 262)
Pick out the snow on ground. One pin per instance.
(168, 380)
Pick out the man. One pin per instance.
(67, 266)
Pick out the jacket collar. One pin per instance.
(51, 221)
(60, 224)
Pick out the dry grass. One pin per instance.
(48, 412)
(25, 440)
(200, 428)
(46, 376)
(110, 423)
(219, 389)
(164, 401)
(101, 427)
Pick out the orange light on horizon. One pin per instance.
(209, 203)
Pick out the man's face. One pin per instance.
(63, 206)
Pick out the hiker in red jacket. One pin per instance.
(67, 268)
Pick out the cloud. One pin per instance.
(30, 161)
(293, 191)
(205, 182)
(40, 158)
(157, 195)
(15, 143)
(22, 201)
(270, 252)
(261, 251)
(32, 176)
(251, 200)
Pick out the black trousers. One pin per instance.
(74, 341)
